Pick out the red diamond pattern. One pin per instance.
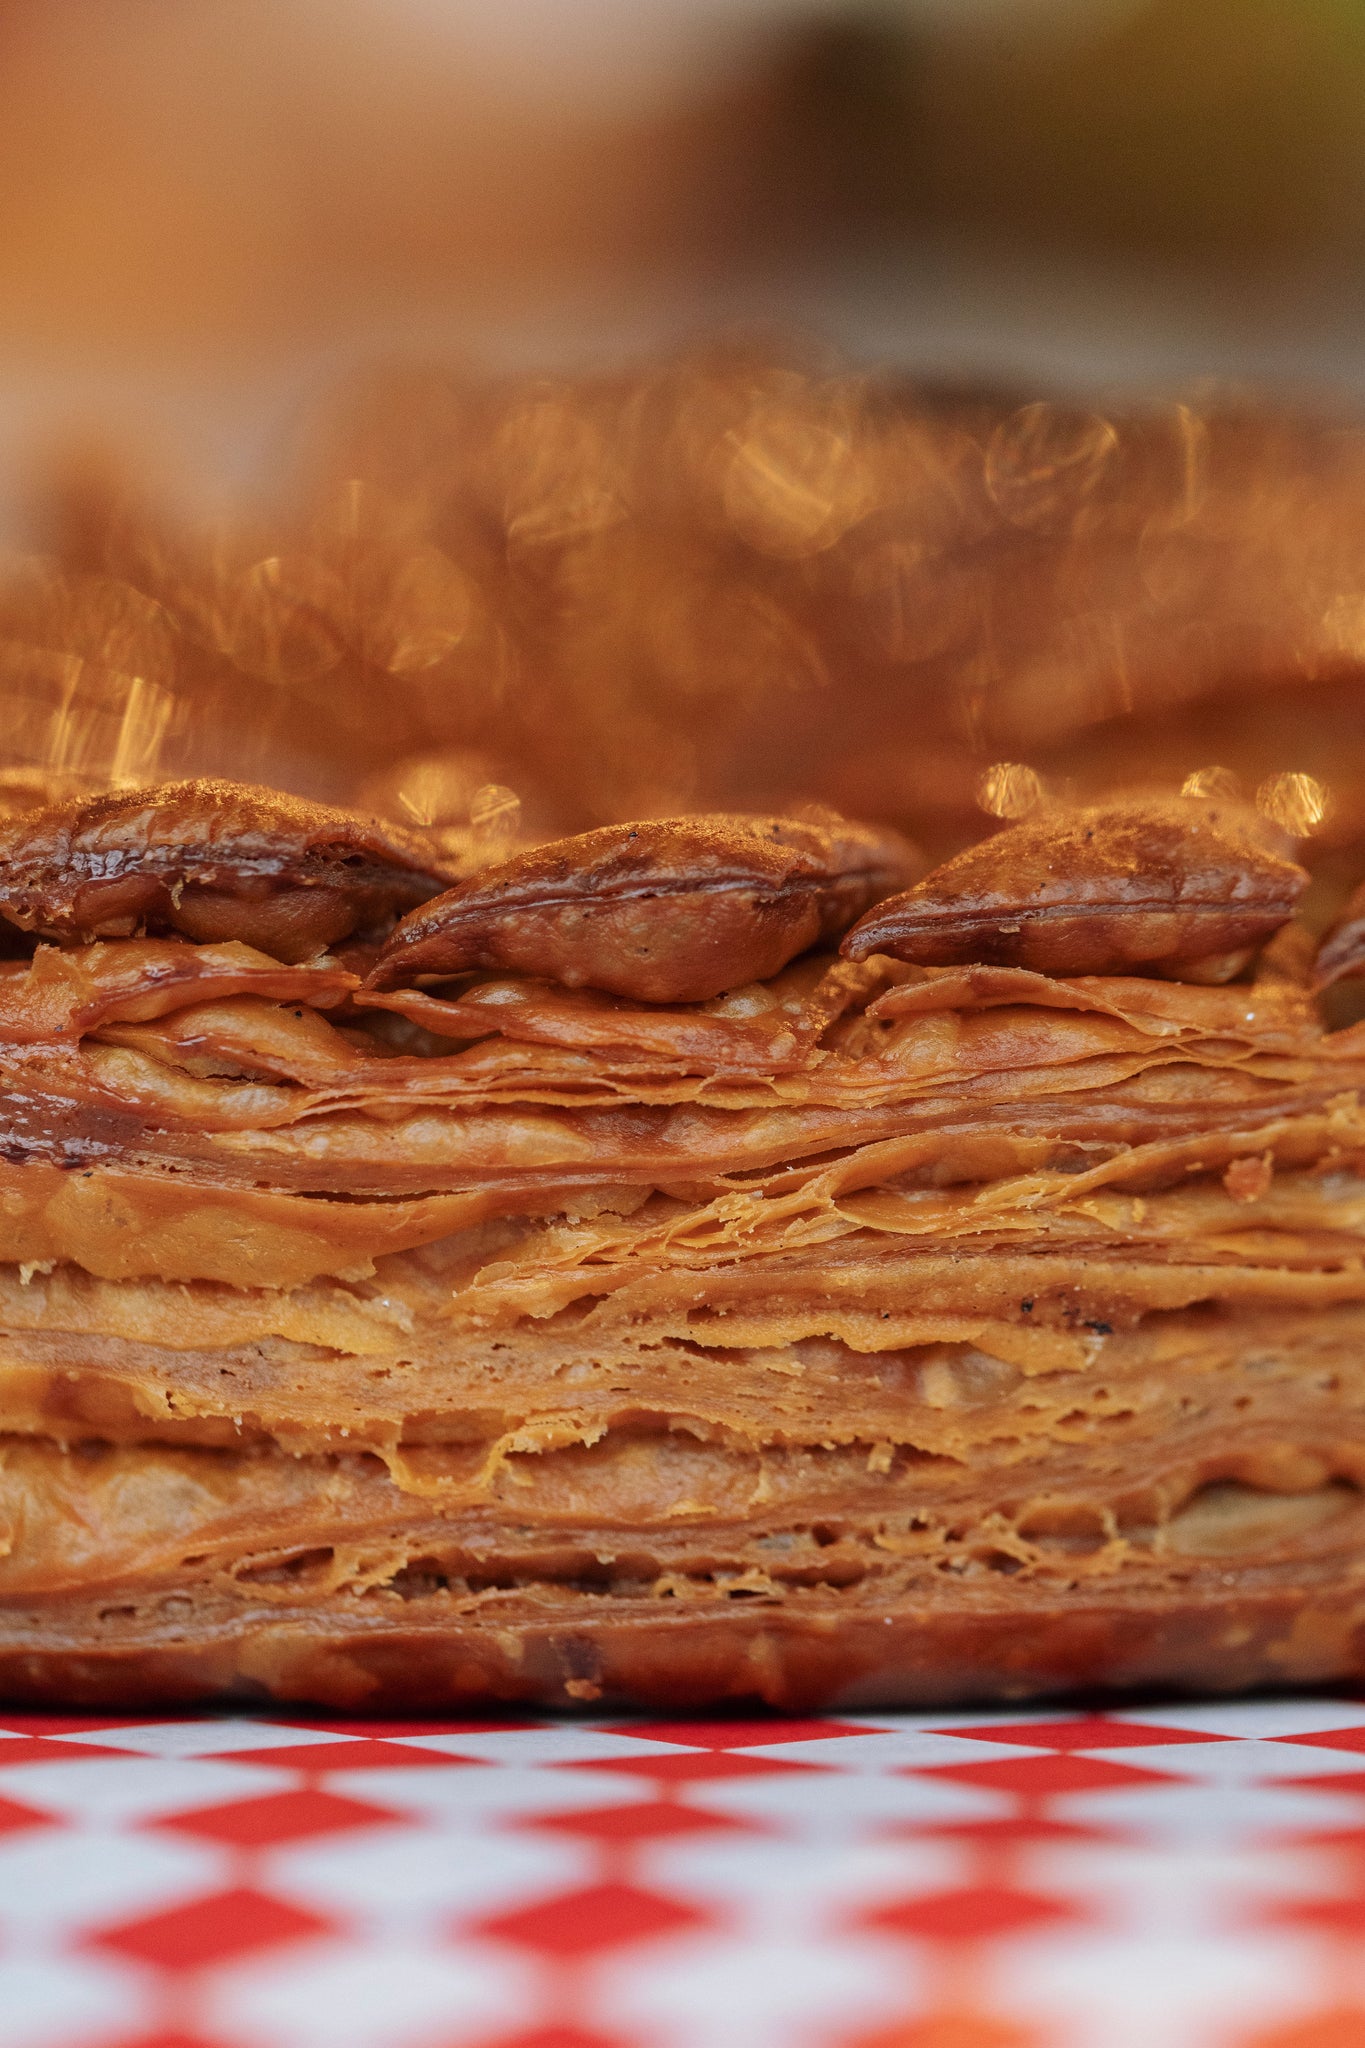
(281, 1817)
(599, 1917)
(610, 1883)
(1030, 1824)
(722, 1733)
(701, 1764)
(1332, 1738)
(223, 1926)
(174, 2039)
(974, 1913)
(43, 1749)
(1343, 1916)
(555, 2037)
(13, 1815)
(1036, 1777)
(647, 1820)
(1091, 1731)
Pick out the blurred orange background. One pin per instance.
(405, 399)
(236, 181)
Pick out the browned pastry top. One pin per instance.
(1341, 956)
(1168, 886)
(212, 860)
(670, 910)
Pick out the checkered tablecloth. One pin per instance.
(1163, 1877)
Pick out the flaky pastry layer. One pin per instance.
(873, 1332)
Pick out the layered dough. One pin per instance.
(872, 1333)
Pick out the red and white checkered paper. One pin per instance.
(1163, 1877)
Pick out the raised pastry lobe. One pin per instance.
(1341, 955)
(672, 910)
(210, 860)
(1173, 887)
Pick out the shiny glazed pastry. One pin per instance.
(673, 910)
(211, 860)
(591, 1288)
(1181, 888)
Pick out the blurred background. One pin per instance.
(630, 405)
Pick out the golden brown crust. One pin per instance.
(672, 910)
(1302, 1628)
(212, 860)
(867, 1332)
(1181, 1505)
(1173, 887)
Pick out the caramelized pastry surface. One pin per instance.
(1180, 888)
(211, 860)
(667, 911)
(600, 1291)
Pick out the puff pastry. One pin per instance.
(583, 1284)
